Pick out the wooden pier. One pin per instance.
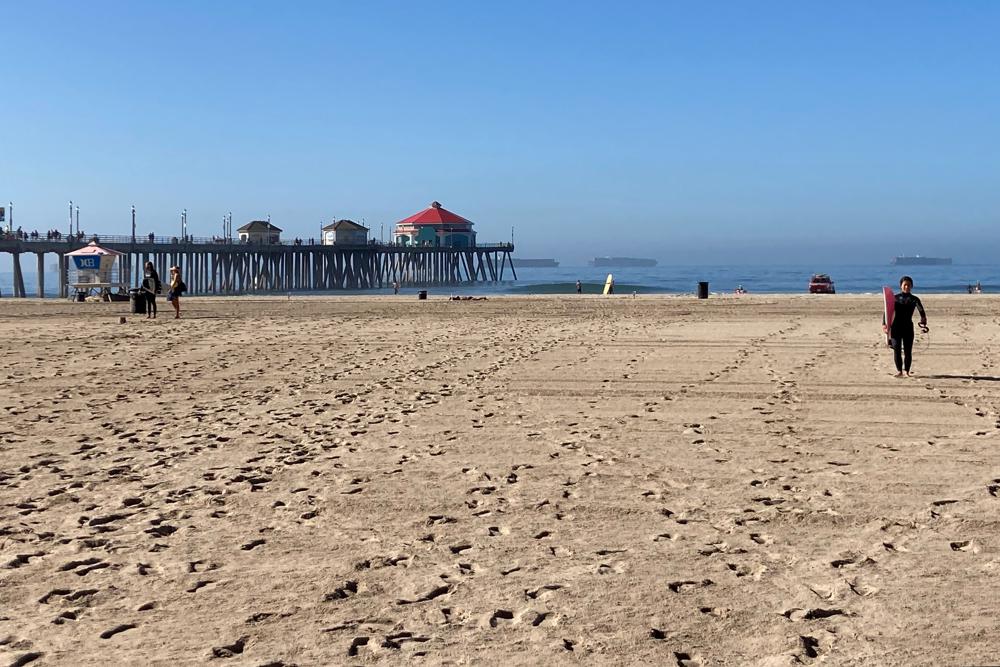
(211, 266)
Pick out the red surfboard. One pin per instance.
(890, 309)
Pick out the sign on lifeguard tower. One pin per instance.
(94, 269)
(89, 263)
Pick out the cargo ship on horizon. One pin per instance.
(545, 263)
(621, 261)
(918, 260)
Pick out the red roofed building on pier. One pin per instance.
(435, 226)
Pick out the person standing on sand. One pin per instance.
(150, 288)
(901, 332)
(177, 287)
(579, 287)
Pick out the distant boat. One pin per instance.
(535, 263)
(917, 260)
(622, 261)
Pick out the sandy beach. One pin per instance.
(549, 480)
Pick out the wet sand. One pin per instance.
(549, 480)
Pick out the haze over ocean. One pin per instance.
(781, 133)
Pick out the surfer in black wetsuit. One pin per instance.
(901, 331)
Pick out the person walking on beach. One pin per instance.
(151, 286)
(177, 287)
(579, 287)
(901, 332)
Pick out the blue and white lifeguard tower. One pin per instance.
(95, 273)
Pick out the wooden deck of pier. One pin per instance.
(220, 267)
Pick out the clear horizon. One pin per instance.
(726, 135)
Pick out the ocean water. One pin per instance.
(778, 279)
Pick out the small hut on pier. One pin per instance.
(345, 232)
(435, 226)
(259, 231)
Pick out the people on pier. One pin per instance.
(150, 288)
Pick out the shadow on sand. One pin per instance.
(984, 378)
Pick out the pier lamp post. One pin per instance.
(10, 216)
(133, 223)
(71, 217)
(77, 219)
(184, 225)
(229, 228)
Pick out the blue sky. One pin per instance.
(690, 132)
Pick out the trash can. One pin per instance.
(703, 290)
(137, 302)
(422, 295)
(80, 297)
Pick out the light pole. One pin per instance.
(78, 220)
(133, 223)
(229, 229)
(184, 225)
(10, 216)
(71, 217)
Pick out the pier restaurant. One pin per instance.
(435, 226)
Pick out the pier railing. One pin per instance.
(113, 239)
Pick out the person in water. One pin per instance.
(901, 332)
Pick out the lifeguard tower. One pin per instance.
(94, 273)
